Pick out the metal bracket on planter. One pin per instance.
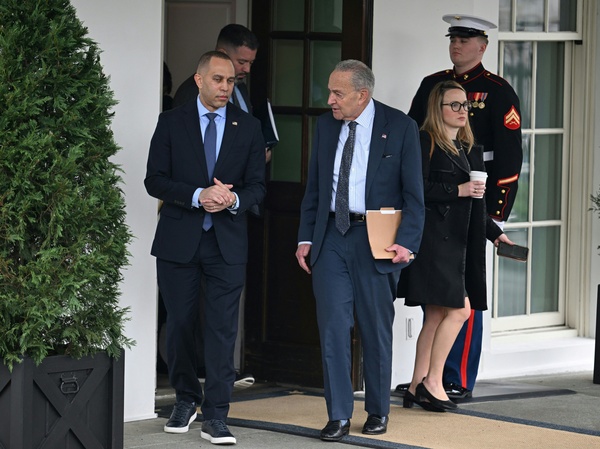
(69, 384)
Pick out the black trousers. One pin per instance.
(180, 286)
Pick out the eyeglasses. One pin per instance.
(455, 106)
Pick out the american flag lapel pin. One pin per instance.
(384, 136)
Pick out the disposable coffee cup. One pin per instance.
(478, 176)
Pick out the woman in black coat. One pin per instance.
(448, 275)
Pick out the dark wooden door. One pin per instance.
(300, 43)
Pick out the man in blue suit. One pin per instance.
(384, 170)
(206, 163)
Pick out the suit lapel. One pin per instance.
(458, 161)
(192, 125)
(232, 124)
(378, 142)
(331, 138)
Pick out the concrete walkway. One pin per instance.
(567, 411)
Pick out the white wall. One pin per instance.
(405, 51)
(595, 253)
(130, 36)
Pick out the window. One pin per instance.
(535, 57)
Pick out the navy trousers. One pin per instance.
(346, 281)
(180, 286)
(462, 364)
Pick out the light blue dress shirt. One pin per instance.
(220, 124)
(360, 160)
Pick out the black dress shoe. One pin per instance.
(375, 425)
(335, 431)
(438, 403)
(456, 391)
(410, 399)
(402, 388)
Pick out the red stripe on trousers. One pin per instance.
(466, 348)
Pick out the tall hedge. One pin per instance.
(63, 236)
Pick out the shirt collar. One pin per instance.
(221, 112)
(366, 116)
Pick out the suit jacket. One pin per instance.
(177, 167)
(393, 179)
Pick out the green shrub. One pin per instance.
(63, 236)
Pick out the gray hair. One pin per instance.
(362, 75)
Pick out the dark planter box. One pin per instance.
(63, 403)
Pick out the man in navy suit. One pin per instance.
(202, 233)
(385, 171)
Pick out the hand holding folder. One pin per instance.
(382, 226)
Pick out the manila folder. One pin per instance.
(382, 226)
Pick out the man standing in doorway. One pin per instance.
(206, 164)
(496, 122)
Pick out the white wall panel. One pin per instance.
(130, 36)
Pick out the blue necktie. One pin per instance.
(342, 209)
(210, 152)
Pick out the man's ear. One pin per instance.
(198, 80)
(483, 47)
(363, 96)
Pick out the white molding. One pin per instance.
(545, 353)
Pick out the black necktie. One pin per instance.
(342, 211)
(210, 152)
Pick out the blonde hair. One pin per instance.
(434, 122)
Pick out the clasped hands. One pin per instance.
(217, 197)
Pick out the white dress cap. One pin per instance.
(467, 26)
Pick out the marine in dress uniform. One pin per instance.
(496, 122)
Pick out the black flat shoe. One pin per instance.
(375, 425)
(410, 400)
(438, 403)
(335, 431)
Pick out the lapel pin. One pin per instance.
(384, 136)
(234, 123)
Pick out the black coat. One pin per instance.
(451, 260)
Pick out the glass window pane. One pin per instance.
(547, 177)
(505, 17)
(530, 15)
(545, 258)
(287, 72)
(288, 15)
(550, 84)
(518, 71)
(562, 15)
(512, 280)
(324, 56)
(286, 158)
(520, 210)
(327, 16)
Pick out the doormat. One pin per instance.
(304, 413)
